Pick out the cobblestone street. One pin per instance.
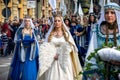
(4, 66)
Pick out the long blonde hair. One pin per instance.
(23, 31)
(64, 31)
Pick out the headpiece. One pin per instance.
(55, 13)
(92, 14)
(112, 6)
(27, 17)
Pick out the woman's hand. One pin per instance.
(56, 56)
(76, 33)
(40, 41)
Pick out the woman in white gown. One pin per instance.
(65, 64)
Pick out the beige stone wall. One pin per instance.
(2, 7)
(18, 10)
(39, 9)
(14, 9)
(46, 9)
(24, 7)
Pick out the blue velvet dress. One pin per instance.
(89, 31)
(25, 67)
(73, 29)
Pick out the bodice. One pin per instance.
(27, 39)
(61, 45)
(102, 37)
(58, 41)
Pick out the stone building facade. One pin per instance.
(18, 9)
(44, 9)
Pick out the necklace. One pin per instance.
(26, 31)
(58, 34)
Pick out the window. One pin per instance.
(19, 1)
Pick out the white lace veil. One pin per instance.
(66, 29)
(116, 8)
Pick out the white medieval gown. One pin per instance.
(62, 68)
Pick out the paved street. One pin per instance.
(4, 66)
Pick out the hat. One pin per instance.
(112, 6)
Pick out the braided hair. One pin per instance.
(114, 32)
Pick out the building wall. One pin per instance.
(46, 10)
(39, 9)
(18, 10)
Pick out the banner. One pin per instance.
(31, 3)
(75, 9)
(80, 12)
(52, 4)
(63, 8)
(91, 7)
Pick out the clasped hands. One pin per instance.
(56, 56)
(77, 33)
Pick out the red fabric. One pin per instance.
(45, 27)
(6, 27)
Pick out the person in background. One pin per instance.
(15, 25)
(85, 21)
(20, 21)
(4, 39)
(45, 27)
(91, 26)
(73, 18)
(36, 27)
(1, 52)
(96, 10)
(5, 27)
(67, 22)
(1, 27)
(40, 33)
(0, 38)
(85, 25)
(76, 31)
(82, 36)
